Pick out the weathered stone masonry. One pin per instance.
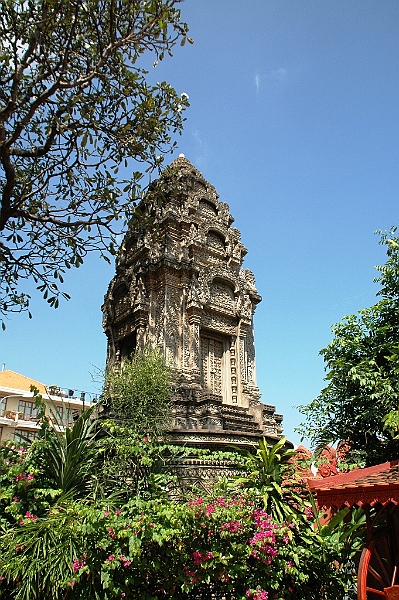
(184, 291)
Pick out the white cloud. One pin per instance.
(202, 149)
(279, 74)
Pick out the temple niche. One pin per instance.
(180, 286)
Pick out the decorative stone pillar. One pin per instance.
(234, 374)
(194, 320)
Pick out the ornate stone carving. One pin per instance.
(194, 292)
(301, 461)
(222, 297)
(217, 322)
(328, 462)
(179, 286)
(203, 474)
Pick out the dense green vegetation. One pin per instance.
(139, 392)
(110, 535)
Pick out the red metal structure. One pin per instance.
(376, 490)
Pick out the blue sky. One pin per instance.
(294, 119)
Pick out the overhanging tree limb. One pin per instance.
(74, 106)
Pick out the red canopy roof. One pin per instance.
(378, 484)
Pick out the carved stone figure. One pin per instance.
(194, 291)
(301, 462)
(180, 286)
(328, 462)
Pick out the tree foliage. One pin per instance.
(75, 106)
(134, 466)
(139, 392)
(363, 373)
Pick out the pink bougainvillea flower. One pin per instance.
(29, 515)
(196, 502)
(192, 576)
(257, 594)
(197, 558)
(78, 564)
(201, 557)
(309, 512)
(209, 510)
(232, 526)
(125, 561)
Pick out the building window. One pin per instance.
(28, 410)
(24, 435)
(3, 402)
(122, 302)
(67, 415)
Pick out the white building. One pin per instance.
(18, 413)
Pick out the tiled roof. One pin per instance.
(377, 484)
(10, 379)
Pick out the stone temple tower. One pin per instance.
(180, 287)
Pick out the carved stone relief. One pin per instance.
(218, 322)
(180, 287)
(222, 296)
(215, 241)
(211, 365)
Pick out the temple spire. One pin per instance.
(185, 291)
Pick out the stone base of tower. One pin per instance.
(216, 427)
(202, 419)
(217, 440)
(200, 474)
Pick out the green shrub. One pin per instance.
(139, 392)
